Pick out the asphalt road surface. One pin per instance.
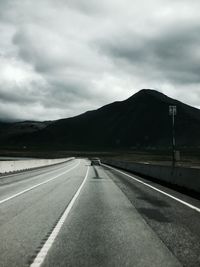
(74, 214)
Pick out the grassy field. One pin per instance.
(189, 157)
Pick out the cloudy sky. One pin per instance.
(59, 58)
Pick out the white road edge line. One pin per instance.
(152, 187)
(35, 186)
(48, 244)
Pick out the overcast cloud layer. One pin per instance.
(61, 58)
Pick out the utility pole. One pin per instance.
(173, 112)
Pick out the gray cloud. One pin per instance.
(171, 55)
(61, 58)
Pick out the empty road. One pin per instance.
(75, 214)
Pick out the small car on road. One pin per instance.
(95, 161)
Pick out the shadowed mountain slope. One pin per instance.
(141, 121)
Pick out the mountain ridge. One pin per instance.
(141, 120)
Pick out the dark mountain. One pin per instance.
(141, 121)
(9, 131)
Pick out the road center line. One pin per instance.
(156, 189)
(48, 244)
(37, 185)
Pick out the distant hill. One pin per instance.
(141, 121)
(11, 131)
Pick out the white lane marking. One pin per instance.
(152, 187)
(35, 186)
(48, 244)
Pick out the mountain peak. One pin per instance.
(152, 92)
(147, 94)
(148, 91)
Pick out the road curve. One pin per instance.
(75, 214)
